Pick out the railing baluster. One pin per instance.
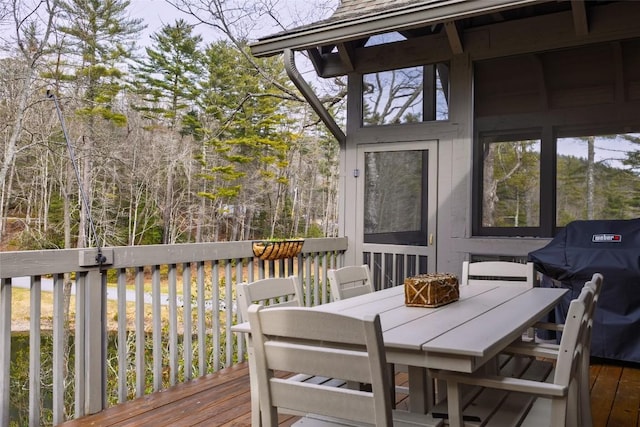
(230, 308)
(322, 280)
(173, 324)
(79, 347)
(156, 321)
(405, 265)
(140, 334)
(312, 297)
(122, 335)
(316, 274)
(202, 332)
(228, 335)
(35, 364)
(188, 328)
(5, 349)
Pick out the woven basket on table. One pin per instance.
(270, 251)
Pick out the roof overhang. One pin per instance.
(420, 14)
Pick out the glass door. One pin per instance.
(397, 189)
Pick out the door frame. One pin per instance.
(429, 250)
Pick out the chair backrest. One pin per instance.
(500, 272)
(303, 340)
(272, 292)
(572, 353)
(585, 396)
(350, 281)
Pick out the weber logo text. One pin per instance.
(598, 238)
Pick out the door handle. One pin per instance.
(431, 238)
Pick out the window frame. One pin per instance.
(548, 176)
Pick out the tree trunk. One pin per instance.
(590, 176)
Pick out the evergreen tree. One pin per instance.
(251, 139)
(166, 77)
(100, 37)
(165, 80)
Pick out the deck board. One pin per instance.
(223, 399)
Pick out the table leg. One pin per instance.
(420, 390)
(454, 397)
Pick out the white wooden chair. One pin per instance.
(270, 293)
(273, 291)
(551, 351)
(303, 340)
(350, 281)
(521, 401)
(501, 272)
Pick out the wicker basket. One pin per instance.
(269, 251)
(431, 290)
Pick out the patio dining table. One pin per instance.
(461, 336)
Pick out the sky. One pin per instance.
(156, 13)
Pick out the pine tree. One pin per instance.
(166, 82)
(252, 139)
(101, 38)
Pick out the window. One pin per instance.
(594, 175)
(406, 95)
(511, 180)
(597, 177)
(384, 38)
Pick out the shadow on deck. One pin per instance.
(223, 399)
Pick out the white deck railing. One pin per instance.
(182, 298)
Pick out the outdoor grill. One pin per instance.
(610, 247)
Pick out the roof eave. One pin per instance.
(343, 31)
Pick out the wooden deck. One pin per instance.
(222, 399)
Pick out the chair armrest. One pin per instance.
(504, 383)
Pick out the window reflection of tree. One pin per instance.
(405, 95)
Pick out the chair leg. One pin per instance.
(256, 420)
(586, 419)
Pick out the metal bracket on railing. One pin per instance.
(94, 257)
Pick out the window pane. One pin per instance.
(393, 192)
(511, 183)
(598, 177)
(406, 95)
(384, 38)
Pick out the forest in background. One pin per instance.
(194, 141)
(185, 142)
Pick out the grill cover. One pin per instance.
(610, 247)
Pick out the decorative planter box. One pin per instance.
(431, 290)
(277, 249)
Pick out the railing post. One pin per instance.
(95, 352)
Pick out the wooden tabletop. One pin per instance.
(458, 336)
